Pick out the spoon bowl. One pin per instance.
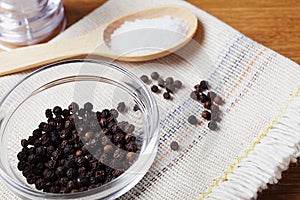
(96, 42)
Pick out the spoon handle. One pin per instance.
(33, 56)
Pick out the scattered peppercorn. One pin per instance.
(55, 158)
(144, 78)
(194, 95)
(202, 98)
(207, 104)
(169, 80)
(206, 115)
(212, 125)
(218, 100)
(209, 100)
(192, 120)
(167, 95)
(170, 88)
(174, 146)
(161, 82)
(154, 88)
(154, 75)
(178, 84)
(211, 95)
(204, 85)
(136, 108)
(121, 107)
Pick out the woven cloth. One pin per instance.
(252, 144)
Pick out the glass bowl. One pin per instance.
(102, 84)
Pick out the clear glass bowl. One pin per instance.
(104, 85)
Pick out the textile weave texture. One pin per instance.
(254, 81)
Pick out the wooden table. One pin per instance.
(273, 23)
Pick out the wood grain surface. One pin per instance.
(273, 23)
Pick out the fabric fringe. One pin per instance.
(270, 156)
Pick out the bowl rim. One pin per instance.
(126, 185)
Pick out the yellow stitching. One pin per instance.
(282, 111)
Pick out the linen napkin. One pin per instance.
(258, 135)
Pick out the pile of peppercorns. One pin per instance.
(211, 102)
(168, 84)
(77, 149)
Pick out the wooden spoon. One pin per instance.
(95, 42)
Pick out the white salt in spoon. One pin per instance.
(95, 42)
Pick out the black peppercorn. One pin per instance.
(161, 83)
(154, 88)
(192, 120)
(114, 113)
(49, 175)
(167, 95)
(207, 104)
(50, 164)
(81, 112)
(66, 113)
(136, 108)
(212, 125)
(129, 138)
(154, 75)
(194, 95)
(169, 80)
(73, 107)
(24, 143)
(60, 171)
(22, 165)
(129, 128)
(108, 149)
(63, 181)
(130, 157)
(197, 88)
(170, 88)
(80, 161)
(71, 185)
(218, 100)
(119, 138)
(55, 189)
(206, 115)
(31, 179)
(178, 84)
(211, 95)
(68, 149)
(121, 107)
(202, 98)
(31, 140)
(88, 106)
(40, 151)
(214, 108)
(100, 175)
(48, 113)
(204, 85)
(57, 110)
(37, 133)
(174, 146)
(144, 78)
(39, 183)
(71, 173)
(82, 181)
(131, 146)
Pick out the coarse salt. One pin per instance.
(146, 36)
